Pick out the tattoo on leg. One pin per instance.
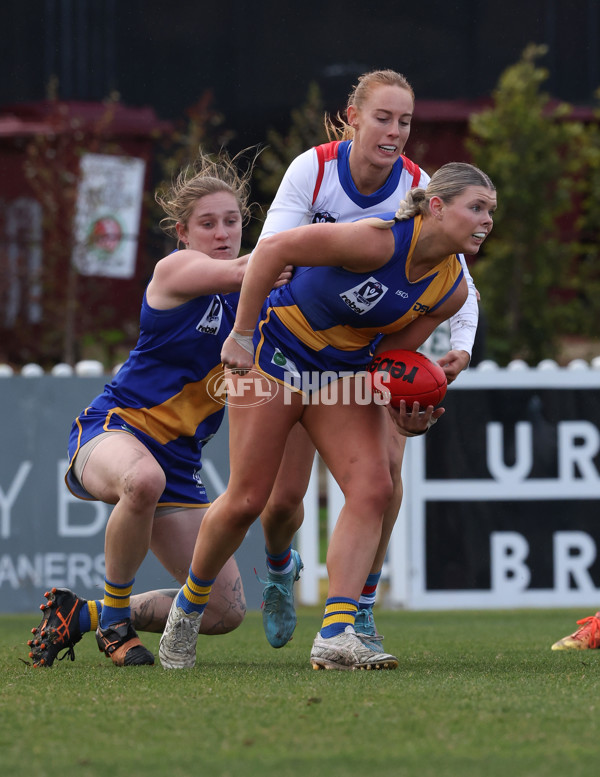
(231, 608)
(149, 611)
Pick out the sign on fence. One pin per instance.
(501, 504)
(501, 498)
(48, 537)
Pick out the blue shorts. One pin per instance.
(285, 358)
(179, 459)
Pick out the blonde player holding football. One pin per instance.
(328, 332)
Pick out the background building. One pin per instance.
(258, 58)
(118, 78)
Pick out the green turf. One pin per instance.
(476, 694)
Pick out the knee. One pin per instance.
(381, 495)
(375, 494)
(240, 508)
(283, 504)
(142, 485)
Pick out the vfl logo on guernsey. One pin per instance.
(365, 296)
(210, 322)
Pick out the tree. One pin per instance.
(532, 152)
(585, 314)
(51, 167)
(307, 129)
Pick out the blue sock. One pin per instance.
(116, 607)
(193, 597)
(339, 613)
(89, 615)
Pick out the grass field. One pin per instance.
(476, 693)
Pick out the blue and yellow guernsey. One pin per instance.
(328, 318)
(162, 394)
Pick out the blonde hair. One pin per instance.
(340, 129)
(446, 183)
(205, 176)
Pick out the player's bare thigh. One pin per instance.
(257, 440)
(116, 455)
(353, 440)
(396, 447)
(294, 473)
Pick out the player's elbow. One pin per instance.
(238, 273)
(273, 252)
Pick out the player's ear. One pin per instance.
(436, 206)
(181, 233)
(351, 115)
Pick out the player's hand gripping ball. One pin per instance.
(408, 375)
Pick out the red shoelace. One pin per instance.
(590, 629)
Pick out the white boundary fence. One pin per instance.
(500, 508)
(538, 531)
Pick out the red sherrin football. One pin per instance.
(409, 375)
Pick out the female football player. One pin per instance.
(138, 446)
(398, 275)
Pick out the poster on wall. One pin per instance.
(107, 215)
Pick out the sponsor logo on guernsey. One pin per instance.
(280, 360)
(365, 296)
(418, 307)
(324, 216)
(210, 323)
(197, 476)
